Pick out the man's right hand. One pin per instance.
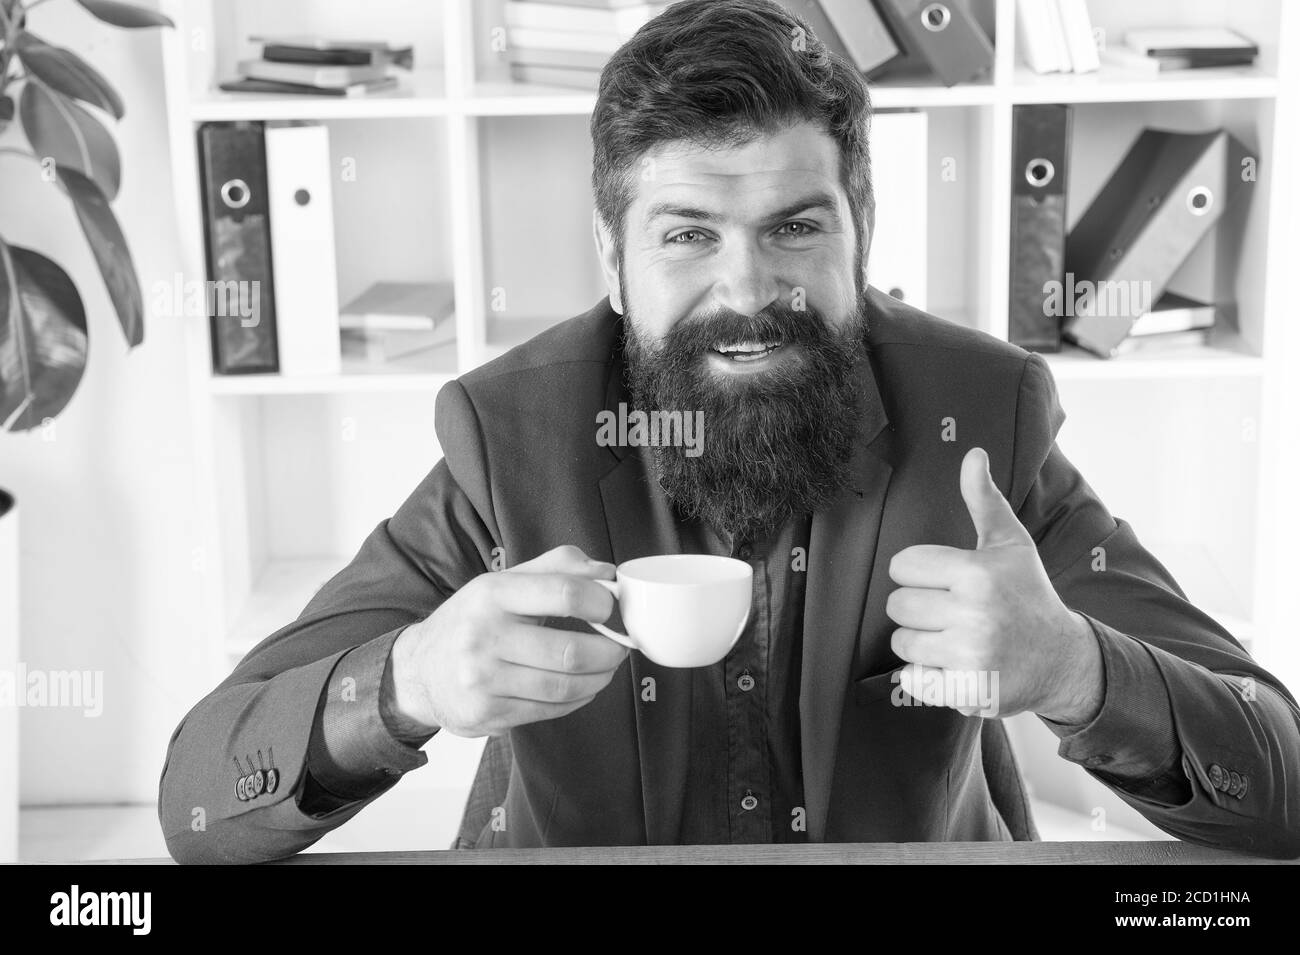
(482, 663)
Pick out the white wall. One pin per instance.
(107, 493)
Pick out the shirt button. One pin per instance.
(746, 682)
(749, 802)
(744, 551)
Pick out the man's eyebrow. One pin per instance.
(818, 200)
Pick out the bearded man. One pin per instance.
(892, 479)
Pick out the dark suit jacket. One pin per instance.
(522, 472)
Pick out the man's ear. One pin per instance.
(608, 256)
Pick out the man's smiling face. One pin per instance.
(735, 231)
(740, 283)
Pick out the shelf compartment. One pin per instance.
(279, 594)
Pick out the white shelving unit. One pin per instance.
(465, 176)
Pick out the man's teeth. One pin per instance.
(746, 351)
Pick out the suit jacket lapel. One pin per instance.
(641, 522)
(841, 552)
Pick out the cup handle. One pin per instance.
(612, 587)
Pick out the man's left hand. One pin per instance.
(990, 611)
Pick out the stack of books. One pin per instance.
(567, 42)
(1176, 321)
(321, 67)
(1056, 36)
(1182, 48)
(394, 320)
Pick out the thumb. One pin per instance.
(995, 523)
(566, 559)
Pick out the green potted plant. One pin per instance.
(58, 103)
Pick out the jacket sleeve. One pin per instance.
(1192, 732)
(264, 717)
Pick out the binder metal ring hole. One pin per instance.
(935, 17)
(235, 193)
(1039, 172)
(1199, 201)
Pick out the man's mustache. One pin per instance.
(779, 323)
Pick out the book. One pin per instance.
(391, 320)
(311, 74)
(565, 59)
(400, 306)
(555, 76)
(1037, 38)
(624, 20)
(1154, 65)
(1176, 313)
(605, 43)
(249, 85)
(306, 41)
(1190, 41)
(389, 345)
(1057, 35)
(287, 53)
(1164, 341)
(600, 4)
(1077, 30)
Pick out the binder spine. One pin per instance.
(944, 33)
(232, 160)
(1039, 169)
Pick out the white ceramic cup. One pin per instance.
(681, 610)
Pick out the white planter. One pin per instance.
(8, 671)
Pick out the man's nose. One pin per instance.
(745, 280)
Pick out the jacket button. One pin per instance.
(1217, 776)
(746, 682)
(1234, 783)
(272, 779)
(749, 802)
(240, 791)
(1242, 790)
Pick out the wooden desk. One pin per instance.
(870, 853)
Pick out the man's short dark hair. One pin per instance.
(721, 73)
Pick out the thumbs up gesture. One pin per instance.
(982, 630)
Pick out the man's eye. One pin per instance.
(689, 237)
(797, 229)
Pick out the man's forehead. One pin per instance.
(772, 164)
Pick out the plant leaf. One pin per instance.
(126, 15)
(110, 250)
(6, 111)
(59, 128)
(68, 73)
(43, 338)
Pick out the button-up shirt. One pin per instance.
(745, 782)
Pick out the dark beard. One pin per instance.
(775, 445)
